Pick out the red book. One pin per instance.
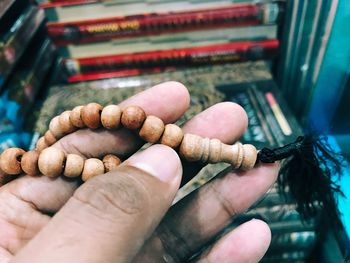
(147, 61)
(155, 24)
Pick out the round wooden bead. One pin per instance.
(133, 117)
(111, 162)
(55, 128)
(92, 167)
(90, 114)
(191, 147)
(10, 161)
(249, 157)
(49, 138)
(152, 129)
(29, 163)
(65, 123)
(172, 135)
(75, 117)
(110, 116)
(74, 165)
(41, 144)
(51, 162)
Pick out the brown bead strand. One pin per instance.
(52, 162)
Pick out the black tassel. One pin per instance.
(307, 174)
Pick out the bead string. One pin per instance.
(52, 162)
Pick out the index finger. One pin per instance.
(168, 101)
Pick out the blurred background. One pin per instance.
(286, 62)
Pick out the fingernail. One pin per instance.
(159, 161)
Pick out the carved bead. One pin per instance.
(29, 163)
(65, 123)
(90, 114)
(133, 117)
(49, 138)
(111, 162)
(92, 167)
(172, 135)
(110, 116)
(10, 161)
(195, 148)
(152, 129)
(74, 165)
(41, 144)
(55, 128)
(51, 162)
(249, 157)
(75, 117)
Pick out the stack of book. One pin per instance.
(103, 39)
(26, 54)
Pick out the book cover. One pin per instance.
(169, 41)
(193, 56)
(162, 23)
(78, 10)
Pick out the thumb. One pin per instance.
(109, 218)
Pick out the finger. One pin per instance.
(247, 243)
(209, 209)
(167, 101)
(225, 121)
(109, 217)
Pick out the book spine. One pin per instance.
(13, 49)
(194, 56)
(154, 24)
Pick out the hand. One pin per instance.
(124, 216)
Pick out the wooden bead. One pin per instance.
(41, 144)
(51, 162)
(191, 147)
(29, 163)
(110, 116)
(195, 148)
(249, 157)
(65, 123)
(172, 135)
(75, 117)
(90, 114)
(92, 167)
(111, 162)
(74, 165)
(152, 129)
(55, 128)
(49, 138)
(133, 117)
(10, 161)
